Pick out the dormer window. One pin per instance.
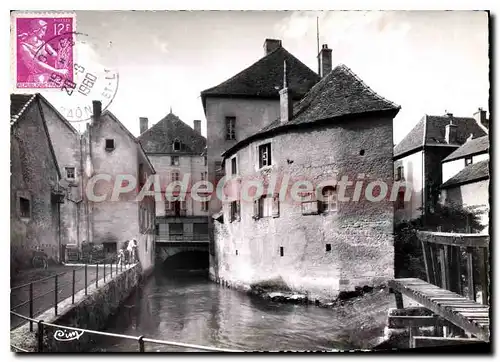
(176, 145)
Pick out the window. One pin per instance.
(110, 144)
(204, 206)
(329, 200)
(234, 169)
(234, 211)
(176, 231)
(200, 231)
(468, 161)
(328, 247)
(265, 155)
(219, 172)
(24, 207)
(174, 161)
(282, 251)
(265, 207)
(70, 173)
(400, 173)
(230, 128)
(175, 176)
(157, 229)
(309, 204)
(176, 145)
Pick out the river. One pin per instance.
(189, 308)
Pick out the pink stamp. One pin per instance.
(44, 56)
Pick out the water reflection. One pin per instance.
(188, 308)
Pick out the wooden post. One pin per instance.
(433, 265)
(429, 265)
(85, 279)
(471, 293)
(455, 270)
(484, 275)
(73, 288)
(413, 333)
(445, 272)
(399, 300)
(40, 336)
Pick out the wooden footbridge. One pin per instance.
(453, 311)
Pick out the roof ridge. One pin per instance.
(15, 117)
(350, 72)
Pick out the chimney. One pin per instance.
(143, 124)
(96, 111)
(451, 133)
(324, 61)
(481, 119)
(271, 45)
(286, 105)
(197, 125)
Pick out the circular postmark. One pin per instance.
(83, 77)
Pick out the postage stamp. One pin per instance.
(67, 67)
(36, 60)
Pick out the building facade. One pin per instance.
(106, 149)
(466, 179)
(35, 174)
(418, 157)
(312, 242)
(177, 153)
(249, 101)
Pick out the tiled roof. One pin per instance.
(340, 93)
(474, 172)
(160, 137)
(18, 104)
(430, 130)
(264, 78)
(472, 147)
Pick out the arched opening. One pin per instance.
(187, 260)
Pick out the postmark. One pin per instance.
(35, 58)
(92, 80)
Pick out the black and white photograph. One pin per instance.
(250, 181)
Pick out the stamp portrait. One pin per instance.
(37, 59)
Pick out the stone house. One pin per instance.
(116, 155)
(418, 157)
(248, 101)
(177, 153)
(466, 178)
(38, 131)
(35, 217)
(316, 243)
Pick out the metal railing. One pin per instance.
(38, 296)
(182, 237)
(141, 340)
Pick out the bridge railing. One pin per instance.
(140, 340)
(36, 297)
(191, 237)
(449, 256)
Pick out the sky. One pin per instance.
(428, 62)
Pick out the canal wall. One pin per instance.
(90, 311)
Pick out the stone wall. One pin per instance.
(66, 142)
(33, 176)
(360, 234)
